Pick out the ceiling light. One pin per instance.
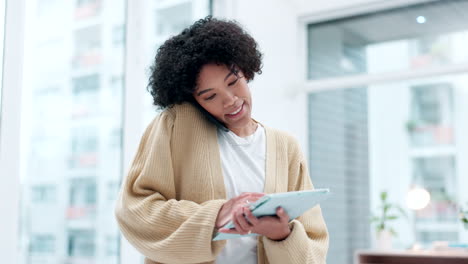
(421, 19)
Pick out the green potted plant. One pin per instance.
(386, 213)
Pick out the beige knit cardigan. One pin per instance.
(170, 199)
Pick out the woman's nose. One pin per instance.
(229, 100)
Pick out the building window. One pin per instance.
(43, 194)
(83, 192)
(81, 244)
(84, 148)
(88, 51)
(118, 35)
(431, 121)
(42, 244)
(87, 8)
(86, 96)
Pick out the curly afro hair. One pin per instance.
(179, 60)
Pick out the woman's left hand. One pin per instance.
(273, 227)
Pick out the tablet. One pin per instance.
(294, 203)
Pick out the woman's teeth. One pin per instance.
(237, 111)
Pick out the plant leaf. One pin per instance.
(383, 196)
(392, 217)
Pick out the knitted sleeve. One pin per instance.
(159, 226)
(308, 241)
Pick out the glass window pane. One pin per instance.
(72, 125)
(431, 117)
(413, 37)
(361, 143)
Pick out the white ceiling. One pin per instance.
(441, 16)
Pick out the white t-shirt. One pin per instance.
(243, 163)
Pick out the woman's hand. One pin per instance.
(226, 213)
(273, 227)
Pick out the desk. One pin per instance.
(410, 257)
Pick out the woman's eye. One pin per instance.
(233, 82)
(210, 98)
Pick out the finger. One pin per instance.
(228, 231)
(245, 201)
(257, 194)
(252, 219)
(242, 221)
(242, 198)
(235, 221)
(238, 227)
(283, 216)
(250, 194)
(253, 197)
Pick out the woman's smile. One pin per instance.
(237, 113)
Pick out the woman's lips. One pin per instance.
(240, 111)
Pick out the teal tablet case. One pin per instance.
(294, 203)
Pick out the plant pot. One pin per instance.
(384, 240)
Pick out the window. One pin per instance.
(83, 192)
(398, 124)
(81, 245)
(87, 8)
(118, 35)
(438, 175)
(42, 244)
(431, 121)
(86, 96)
(68, 156)
(87, 47)
(43, 194)
(84, 148)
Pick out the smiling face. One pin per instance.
(224, 93)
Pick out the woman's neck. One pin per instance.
(245, 131)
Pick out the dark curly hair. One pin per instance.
(179, 60)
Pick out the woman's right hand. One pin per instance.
(226, 212)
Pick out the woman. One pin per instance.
(203, 159)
